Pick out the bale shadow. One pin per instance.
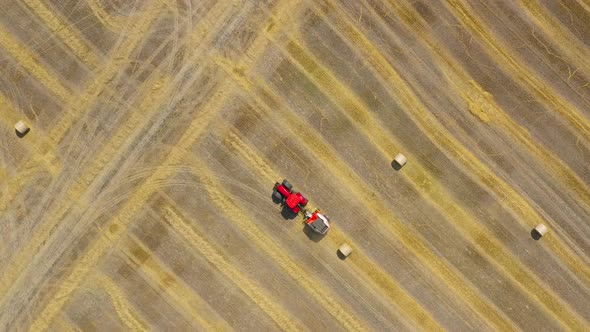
(536, 235)
(340, 255)
(313, 236)
(396, 166)
(21, 135)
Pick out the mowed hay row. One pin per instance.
(140, 199)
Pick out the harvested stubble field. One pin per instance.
(141, 197)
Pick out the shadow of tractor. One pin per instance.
(287, 213)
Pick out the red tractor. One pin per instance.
(284, 193)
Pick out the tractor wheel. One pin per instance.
(287, 185)
(277, 197)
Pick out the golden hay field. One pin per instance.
(141, 197)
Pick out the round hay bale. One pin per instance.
(541, 229)
(399, 161)
(21, 128)
(345, 250)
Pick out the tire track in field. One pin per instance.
(132, 40)
(476, 97)
(442, 138)
(31, 63)
(62, 30)
(364, 266)
(109, 21)
(357, 187)
(10, 192)
(111, 151)
(117, 227)
(559, 34)
(78, 106)
(184, 298)
(519, 69)
(65, 124)
(40, 237)
(551, 53)
(431, 190)
(123, 308)
(584, 4)
(254, 291)
(113, 22)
